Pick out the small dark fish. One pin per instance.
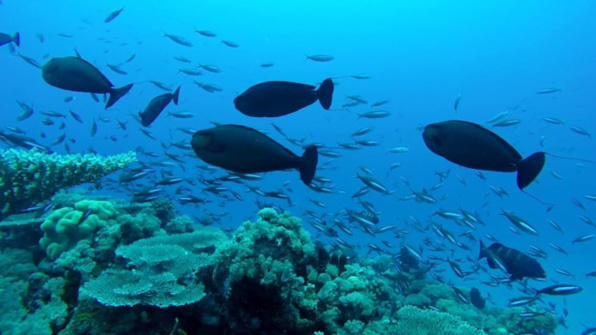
(517, 264)
(76, 116)
(116, 69)
(59, 140)
(129, 59)
(170, 181)
(156, 106)
(5, 39)
(583, 238)
(473, 146)
(507, 123)
(320, 58)
(93, 129)
(230, 43)
(456, 103)
(84, 216)
(179, 40)
(161, 85)
(78, 75)
(277, 98)
(580, 130)
(30, 61)
(266, 64)
(517, 302)
(206, 33)
(113, 15)
(246, 150)
(182, 115)
(27, 112)
(476, 298)
(210, 68)
(182, 59)
(548, 90)
(191, 72)
(211, 88)
(560, 289)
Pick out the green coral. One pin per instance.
(260, 264)
(28, 177)
(64, 227)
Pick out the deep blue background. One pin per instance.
(420, 54)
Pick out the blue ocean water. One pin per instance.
(420, 55)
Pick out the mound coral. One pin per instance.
(65, 227)
(30, 177)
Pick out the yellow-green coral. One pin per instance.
(28, 177)
(62, 229)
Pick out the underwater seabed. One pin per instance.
(143, 269)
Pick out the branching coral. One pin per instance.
(30, 177)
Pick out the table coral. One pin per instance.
(159, 271)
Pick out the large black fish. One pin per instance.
(277, 98)
(473, 146)
(246, 150)
(78, 75)
(5, 39)
(515, 262)
(156, 106)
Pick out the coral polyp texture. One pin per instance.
(28, 177)
(136, 268)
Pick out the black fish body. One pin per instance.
(246, 150)
(156, 106)
(78, 75)
(277, 98)
(518, 264)
(473, 146)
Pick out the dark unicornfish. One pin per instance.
(473, 146)
(277, 98)
(245, 150)
(517, 264)
(156, 106)
(5, 39)
(78, 75)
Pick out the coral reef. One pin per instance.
(28, 177)
(136, 268)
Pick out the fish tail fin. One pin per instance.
(482, 250)
(308, 164)
(325, 93)
(529, 168)
(175, 95)
(117, 93)
(16, 38)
